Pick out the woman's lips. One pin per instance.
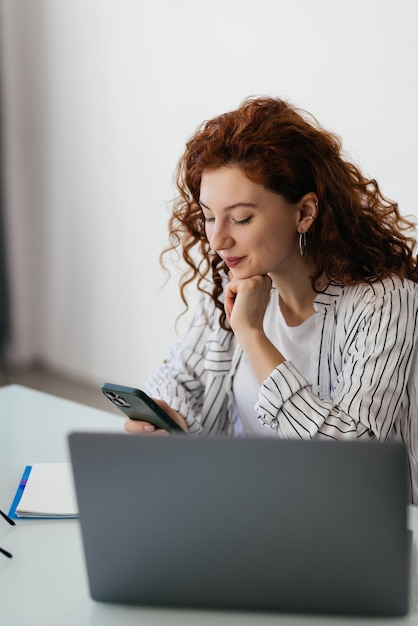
(233, 261)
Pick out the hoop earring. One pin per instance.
(302, 244)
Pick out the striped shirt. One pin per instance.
(365, 378)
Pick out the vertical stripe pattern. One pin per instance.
(365, 383)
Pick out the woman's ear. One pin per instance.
(308, 211)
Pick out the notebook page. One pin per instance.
(49, 491)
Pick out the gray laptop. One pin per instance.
(247, 524)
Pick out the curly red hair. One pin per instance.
(358, 234)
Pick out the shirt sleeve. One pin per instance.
(186, 375)
(372, 387)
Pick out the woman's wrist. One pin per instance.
(262, 355)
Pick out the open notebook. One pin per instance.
(46, 490)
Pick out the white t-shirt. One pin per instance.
(294, 342)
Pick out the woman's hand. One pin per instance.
(138, 427)
(246, 301)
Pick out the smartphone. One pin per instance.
(137, 405)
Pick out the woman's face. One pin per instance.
(253, 230)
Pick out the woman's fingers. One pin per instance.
(179, 419)
(246, 301)
(137, 427)
(141, 427)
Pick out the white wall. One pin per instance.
(100, 96)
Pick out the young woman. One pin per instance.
(307, 325)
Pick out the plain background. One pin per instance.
(99, 97)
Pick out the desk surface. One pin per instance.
(45, 582)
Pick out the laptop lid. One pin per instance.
(247, 524)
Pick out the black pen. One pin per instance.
(7, 518)
(3, 551)
(12, 523)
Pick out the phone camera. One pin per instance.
(117, 399)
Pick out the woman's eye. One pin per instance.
(208, 220)
(246, 220)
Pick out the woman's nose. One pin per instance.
(220, 238)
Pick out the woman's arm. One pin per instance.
(181, 380)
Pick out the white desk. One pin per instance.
(45, 582)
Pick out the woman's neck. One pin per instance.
(296, 296)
